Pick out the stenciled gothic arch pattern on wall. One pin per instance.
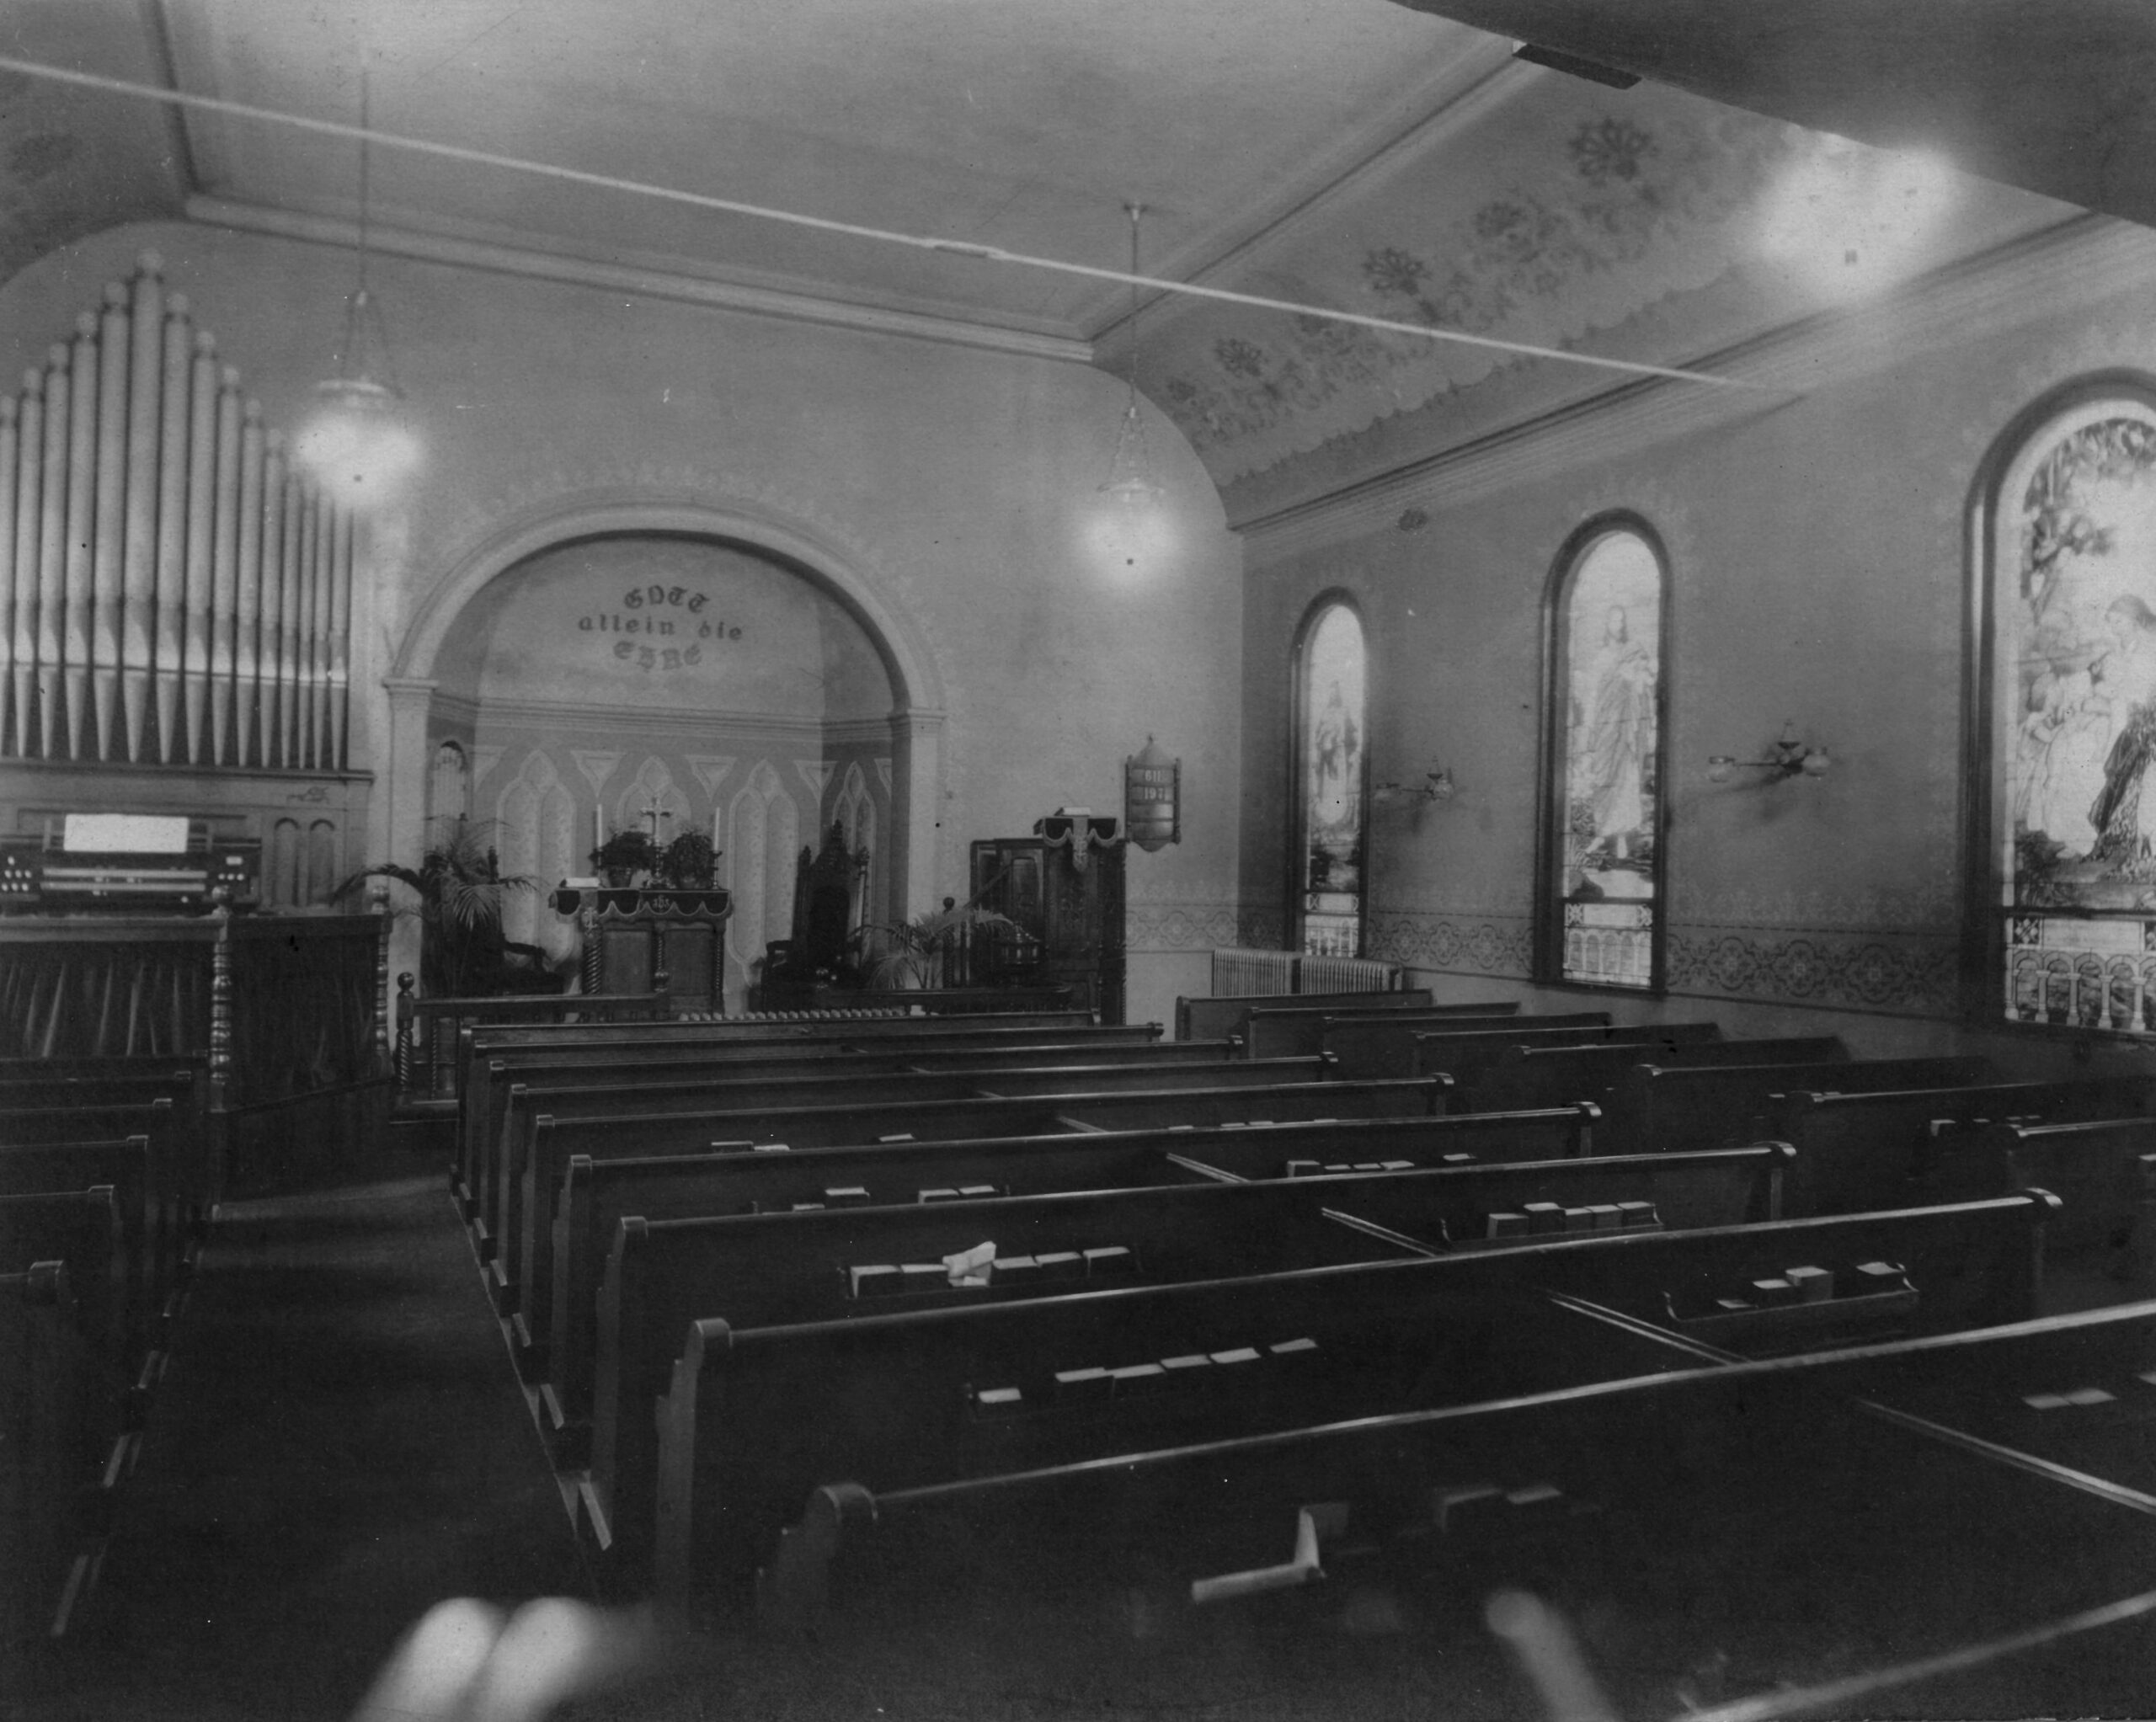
(763, 839)
(535, 833)
(853, 810)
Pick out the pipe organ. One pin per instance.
(174, 590)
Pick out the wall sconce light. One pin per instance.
(1790, 756)
(1435, 787)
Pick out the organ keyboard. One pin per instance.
(107, 862)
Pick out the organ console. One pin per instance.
(171, 587)
(128, 863)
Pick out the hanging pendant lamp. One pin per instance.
(1130, 480)
(356, 442)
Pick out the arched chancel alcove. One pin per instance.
(641, 667)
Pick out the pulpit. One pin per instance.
(1063, 887)
(652, 939)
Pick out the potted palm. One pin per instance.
(460, 890)
(916, 954)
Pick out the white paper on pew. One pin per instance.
(971, 1268)
(1300, 1570)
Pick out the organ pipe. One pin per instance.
(113, 353)
(288, 659)
(9, 410)
(273, 600)
(52, 557)
(201, 524)
(246, 669)
(173, 526)
(29, 457)
(138, 561)
(172, 586)
(79, 474)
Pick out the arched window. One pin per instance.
(2065, 802)
(1603, 893)
(1330, 875)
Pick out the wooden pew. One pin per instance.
(165, 1227)
(1218, 1018)
(1016, 1027)
(752, 1419)
(125, 1166)
(1866, 1151)
(83, 1229)
(592, 1194)
(550, 1142)
(507, 1240)
(492, 1074)
(1796, 1540)
(102, 1083)
(1665, 1109)
(53, 1436)
(793, 1269)
(1467, 1058)
(1382, 1043)
(1292, 1030)
(1519, 1074)
(513, 1090)
(2104, 1173)
(483, 1088)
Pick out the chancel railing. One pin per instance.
(173, 588)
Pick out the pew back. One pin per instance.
(1467, 1058)
(1859, 1150)
(1215, 1018)
(1368, 1044)
(753, 1419)
(525, 1282)
(1665, 1109)
(1527, 1076)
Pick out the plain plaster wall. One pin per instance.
(951, 490)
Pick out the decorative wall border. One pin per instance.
(1179, 924)
(1471, 943)
(1914, 974)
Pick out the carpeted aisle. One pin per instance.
(340, 1443)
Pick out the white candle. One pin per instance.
(598, 827)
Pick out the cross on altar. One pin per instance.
(653, 814)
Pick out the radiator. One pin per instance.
(1346, 974)
(1241, 974)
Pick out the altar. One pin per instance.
(652, 939)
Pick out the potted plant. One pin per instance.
(915, 954)
(460, 889)
(625, 855)
(689, 863)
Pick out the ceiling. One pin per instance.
(1356, 155)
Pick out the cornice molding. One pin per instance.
(644, 281)
(2076, 263)
(673, 721)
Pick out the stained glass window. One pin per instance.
(1607, 776)
(2071, 541)
(1330, 754)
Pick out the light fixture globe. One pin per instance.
(355, 442)
(1130, 480)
